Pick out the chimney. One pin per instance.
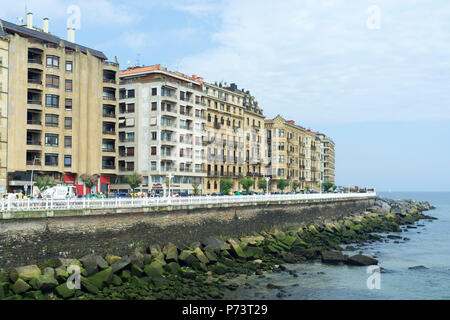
(71, 35)
(30, 20)
(46, 25)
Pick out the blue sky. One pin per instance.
(381, 93)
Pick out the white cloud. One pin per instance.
(317, 61)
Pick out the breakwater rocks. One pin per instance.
(204, 269)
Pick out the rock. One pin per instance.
(64, 292)
(216, 245)
(110, 259)
(61, 274)
(173, 268)
(274, 286)
(120, 264)
(236, 250)
(232, 286)
(89, 286)
(291, 258)
(171, 253)
(254, 252)
(188, 258)
(309, 254)
(49, 272)
(156, 252)
(43, 282)
(35, 295)
(201, 256)
(350, 248)
(20, 286)
(361, 260)
(418, 268)
(69, 262)
(195, 245)
(147, 258)
(212, 257)
(137, 271)
(116, 280)
(100, 279)
(4, 276)
(4, 288)
(333, 257)
(219, 268)
(393, 237)
(154, 270)
(137, 259)
(25, 273)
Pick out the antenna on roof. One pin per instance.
(137, 60)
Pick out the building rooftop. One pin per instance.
(47, 37)
(158, 67)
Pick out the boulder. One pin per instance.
(35, 295)
(100, 279)
(25, 273)
(89, 286)
(4, 275)
(147, 258)
(20, 286)
(116, 280)
(156, 252)
(43, 282)
(137, 259)
(201, 256)
(120, 264)
(4, 288)
(171, 253)
(210, 255)
(154, 270)
(236, 250)
(137, 271)
(187, 257)
(216, 245)
(254, 252)
(333, 257)
(361, 260)
(49, 272)
(309, 254)
(64, 292)
(418, 268)
(173, 268)
(252, 240)
(195, 245)
(61, 274)
(69, 262)
(110, 259)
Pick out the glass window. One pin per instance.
(68, 104)
(52, 62)
(69, 66)
(67, 161)
(68, 123)
(51, 140)
(67, 142)
(51, 120)
(51, 100)
(51, 159)
(68, 85)
(154, 91)
(51, 81)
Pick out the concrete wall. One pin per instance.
(26, 241)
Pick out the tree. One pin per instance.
(89, 180)
(282, 184)
(262, 184)
(296, 185)
(327, 185)
(226, 185)
(196, 186)
(134, 180)
(44, 183)
(247, 184)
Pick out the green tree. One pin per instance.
(89, 180)
(296, 185)
(44, 183)
(226, 185)
(133, 180)
(282, 184)
(196, 186)
(262, 184)
(327, 185)
(247, 184)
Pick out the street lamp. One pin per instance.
(169, 177)
(267, 185)
(32, 171)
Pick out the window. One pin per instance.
(52, 62)
(153, 165)
(154, 135)
(51, 159)
(154, 91)
(51, 140)
(131, 93)
(69, 66)
(67, 161)
(153, 150)
(154, 106)
(68, 123)
(67, 142)
(51, 100)
(68, 85)
(51, 81)
(51, 120)
(68, 104)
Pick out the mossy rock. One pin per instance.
(35, 295)
(136, 271)
(64, 292)
(14, 297)
(25, 273)
(52, 263)
(126, 275)
(173, 268)
(89, 286)
(212, 257)
(219, 268)
(111, 259)
(289, 240)
(116, 280)
(20, 286)
(236, 250)
(100, 279)
(61, 274)
(4, 288)
(254, 252)
(43, 282)
(154, 270)
(201, 256)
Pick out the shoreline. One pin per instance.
(209, 270)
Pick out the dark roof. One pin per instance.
(14, 28)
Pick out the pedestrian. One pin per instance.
(20, 195)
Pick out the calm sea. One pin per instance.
(429, 246)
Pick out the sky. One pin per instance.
(371, 74)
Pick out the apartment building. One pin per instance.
(4, 48)
(161, 129)
(295, 154)
(329, 160)
(61, 108)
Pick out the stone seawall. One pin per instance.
(28, 241)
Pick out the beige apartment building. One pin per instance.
(329, 160)
(62, 105)
(235, 137)
(4, 54)
(295, 154)
(161, 130)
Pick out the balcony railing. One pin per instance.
(37, 102)
(109, 132)
(109, 80)
(35, 60)
(34, 122)
(108, 166)
(109, 98)
(109, 149)
(34, 142)
(35, 81)
(36, 163)
(109, 114)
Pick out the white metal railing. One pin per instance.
(9, 205)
